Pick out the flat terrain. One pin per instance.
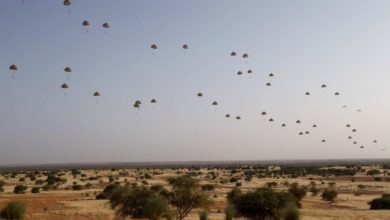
(62, 202)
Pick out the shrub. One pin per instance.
(77, 187)
(230, 212)
(203, 215)
(329, 195)
(291, 213)
(156, 207)
(20, 189)
(380, 203)
(314, 190)
(233, 194)
(298, 192)
(2, 183)
(208, 187)
(35, 190)
(13, 210)
(135, 201)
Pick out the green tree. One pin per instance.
(156, 208)
(264, 203)
(185, 195)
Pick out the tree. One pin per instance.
(298, 192)
(20, 189)
(13, 211)
(264, 203)
(329, 195)
(107, 192)
(138, 202)
(185, 195)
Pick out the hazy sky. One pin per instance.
(344, 44)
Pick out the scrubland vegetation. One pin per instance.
(220, 192)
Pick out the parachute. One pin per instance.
(323, 86)
(227, 115)
(185, 46)
(271, 75)
(13, 67)
(323, 140)
(336, 93)
(233, 54)
(298, 122)
(137, 104)
(153, 101)
(245, 55)
(314, 126)
(238, 118)
(199, 94)
(283, 125)
(264, 113)
(271, 120)
(215, 103)
(268, 84)
(249, 71)
(64, 87)
(307, 93)
(96, 94)
(68, 69)
(85, 23)
(67, 2)
(353, 130)
(239, 73)
(106, 25)
(153, 46)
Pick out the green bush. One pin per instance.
(156, 207)
(329, 195)
(13, 211)
(264, 203)
(20, 189)
(35, 190)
